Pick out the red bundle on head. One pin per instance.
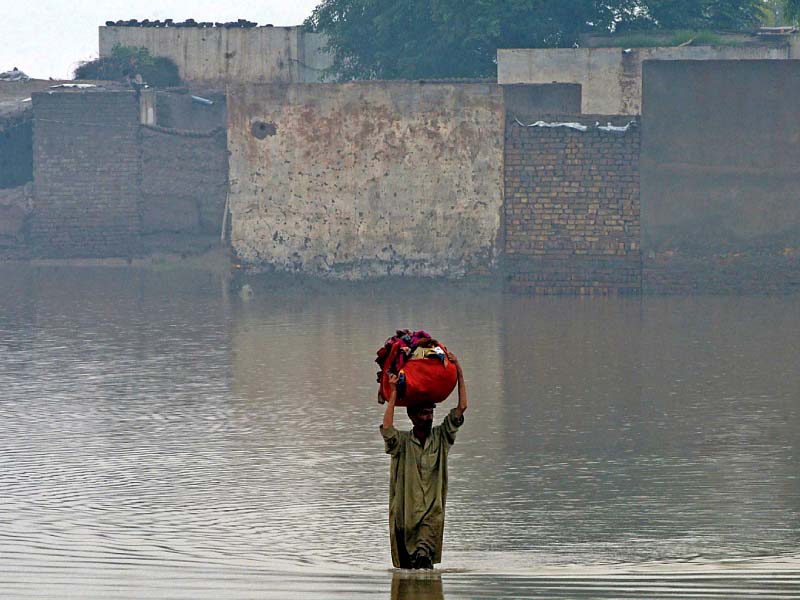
(420, 362)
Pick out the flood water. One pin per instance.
(162, 437)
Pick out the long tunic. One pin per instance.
(418, 489)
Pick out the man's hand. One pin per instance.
(462, 388)
(388, 415)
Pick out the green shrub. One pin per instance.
(156, 71)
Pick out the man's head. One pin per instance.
(421, 416)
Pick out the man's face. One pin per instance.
(422, 418)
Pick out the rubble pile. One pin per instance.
(239, 24)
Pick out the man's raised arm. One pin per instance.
(388, 414)
(462, 388)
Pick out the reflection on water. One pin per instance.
(417, 586)
(162, 437)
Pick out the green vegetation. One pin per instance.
(792, 10)
(780, 13)
(423, 39)
(127, 61)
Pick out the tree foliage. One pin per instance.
(699, 14)
(419, 39)
(127, 61)
(792, 10)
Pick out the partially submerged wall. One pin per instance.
(611, 77)
(16, 205)
(720, 173)
(572, 207)
(107, 186)
(221, 54)
(85, 172)
(184, 180)
(367, 179)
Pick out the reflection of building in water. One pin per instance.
(417, 586)
(650, 421)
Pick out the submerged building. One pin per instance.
(682, 179)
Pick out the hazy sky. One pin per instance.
(48, 38)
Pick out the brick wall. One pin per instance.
(86, 149)
(106, 186)
(184, 180)
(572, 208)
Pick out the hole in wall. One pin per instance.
(260, 129)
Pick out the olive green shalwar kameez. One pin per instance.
(418, 489)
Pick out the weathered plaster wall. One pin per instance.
(367, 179)
(572, 208)
(219, 54)
(611, 77)
(720, 172)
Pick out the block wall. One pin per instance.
(107, 186)
(184, 180)
(572, 208)
(86, 162)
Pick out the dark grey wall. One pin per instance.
(720, 157)
(86, 162)
(16, 150)
(179, 111)
(527, 102)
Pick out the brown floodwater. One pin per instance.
(163, 437)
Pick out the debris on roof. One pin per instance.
(785, 30)
(14, 75)
(79, 86)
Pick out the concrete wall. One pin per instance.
(720, 172)
(572, 208)
(527, 102)
(179, 111)
(219, 54)
(611, 77)
(86, 163)
(367, 179)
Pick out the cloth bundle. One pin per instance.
(420, 362)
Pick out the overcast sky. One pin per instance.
(48, 38)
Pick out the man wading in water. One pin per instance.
(418, 478)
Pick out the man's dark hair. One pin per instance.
(416, 408)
